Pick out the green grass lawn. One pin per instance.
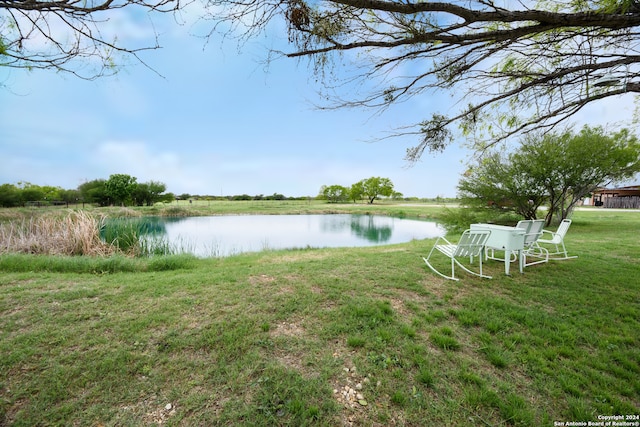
(363, 337)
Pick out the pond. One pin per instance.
(215, 236)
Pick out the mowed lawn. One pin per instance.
(332, 337)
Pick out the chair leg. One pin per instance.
(540, 252)
(469, 271)
(563, 253)
(437, 272)
(454, 261)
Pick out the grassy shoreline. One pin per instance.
(202, 208)
(364, 336)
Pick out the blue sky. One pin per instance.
(216, 122)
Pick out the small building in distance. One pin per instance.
(621, 198)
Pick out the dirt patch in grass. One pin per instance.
(391, 250)
(287, 329)
(294, 256)
(349, 391)
(287, 336)
(293, 361)
(160, 415)
(317, 290)
(280, 285)
(435, 284)
(151, 410)
(403, 300)
(16, 309)
(261, 279)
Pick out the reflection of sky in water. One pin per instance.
(231, 234)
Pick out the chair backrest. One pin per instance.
(563, 228)
(525, 224)
(534, 232)
(471, 243)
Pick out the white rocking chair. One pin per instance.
(471, 244)
(557, 239)
(534, 230)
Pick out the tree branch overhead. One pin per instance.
(513, 66)
(67, 35)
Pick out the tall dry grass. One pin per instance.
(78, 233)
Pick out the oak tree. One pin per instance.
(119, 188)
(94, 191)
(374, 187)
(335, 193)
(496, 183)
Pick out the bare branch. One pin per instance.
(65, 35)
(511, 69)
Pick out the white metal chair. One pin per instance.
(557, 239)
(534, 230)
(471, 244)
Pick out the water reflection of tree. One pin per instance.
(365, 227)
(335, 223)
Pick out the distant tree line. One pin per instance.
(274, 196)
(368, 189)
(239, 197)
(125, 190)
(25, 193)
(119, 189)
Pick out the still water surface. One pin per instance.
(233, 234)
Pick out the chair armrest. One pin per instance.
(441, 238)
(548, 232)
(553, 238)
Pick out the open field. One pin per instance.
(326, 337)
(198, 207)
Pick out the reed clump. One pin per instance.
(175, 211)
(77, 233)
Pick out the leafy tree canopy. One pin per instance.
(335, 193)
(356, 191)
(496, 183)
(512, 66)
(370, 188)
(94, 192)
(119, 187)
(571, 166)
(9, 196)
(147, 193)
(376, 186)
(559, 169)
